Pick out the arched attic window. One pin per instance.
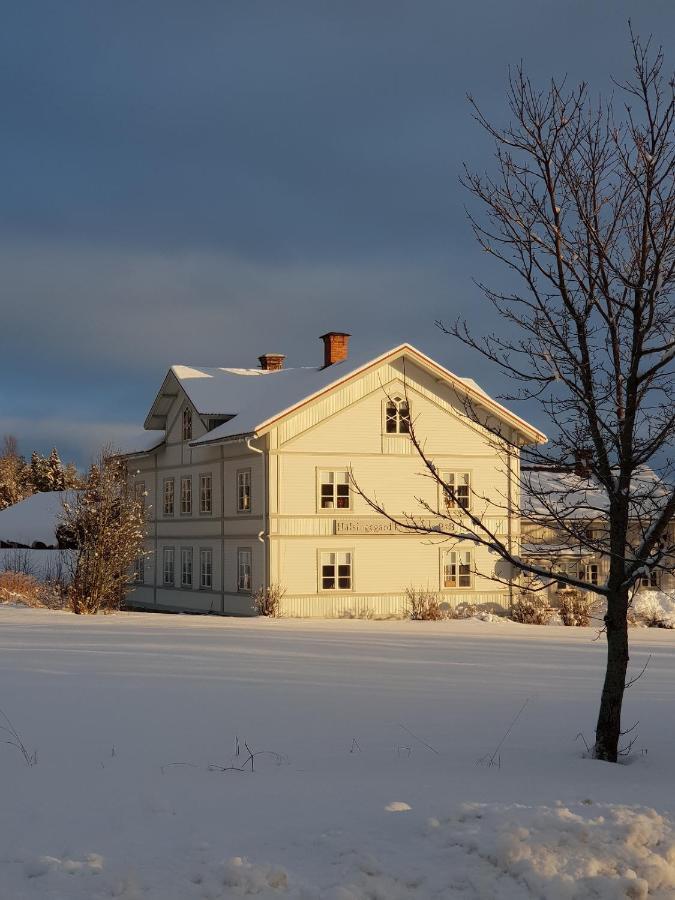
(187, 424)
(397, 416)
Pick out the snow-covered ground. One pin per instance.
(378, 785)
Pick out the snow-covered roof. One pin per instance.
(142, 442)
(574, 497)
(251, 399)
(33, 519)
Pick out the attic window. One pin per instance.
(397, 416)
(187, 424)
(216, 423)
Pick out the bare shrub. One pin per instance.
(18, 587)
(575, 608)
(465, 611)
(425, 605)
(26, 590)
(531, 609)
(267, 601)
(107, 524)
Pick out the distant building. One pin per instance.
(245, 473)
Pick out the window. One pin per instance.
(205, 493)
(397, 416)
(571, 569)
(169, 496)
(458, 495)
(139, 569)
(187, 424)
(457, 569)
(169, 567)
(244, 490)
(206, 569)
(592, 573)
(139, 492)
(186, 567)
(186, 496)
(336, 570)
(244, 569)
(216, 423)
(334, 490)
(650, 579)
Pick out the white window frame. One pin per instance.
(400, 419)
(454, 479)
(205, 494)
(186, 562)
(139, 569)
(186, 424)
(186, 496)
(139, 492)
(244, 479)
(457, 558)
(592, 577)
(650, 579)
(332, 557)
(205, 569)
(323, 478)
(169, 566)
(171, 497)
(244, 554)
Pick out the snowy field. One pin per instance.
(378, 786)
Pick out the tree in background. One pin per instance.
(106, 523)
(581, 211)
(14, 474)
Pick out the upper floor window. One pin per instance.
(186, 496)
(139, 492)
(187, 424)
(458, 490)
(205, 493)
(397, 416)
(335, 490)
(244, 490)
(169, 496)
(244, 569)
(336, 570)
(457, 569)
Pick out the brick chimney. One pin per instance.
(335, 347)
(583, 458)
(272, 362)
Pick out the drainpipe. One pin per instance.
(261, 534)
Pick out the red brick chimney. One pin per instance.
(272, 362)
(583, 459)
(335, 347)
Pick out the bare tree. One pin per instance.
(105, 522)
(581, 211)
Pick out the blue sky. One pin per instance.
(203, 182)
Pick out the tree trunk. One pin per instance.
(608, 729)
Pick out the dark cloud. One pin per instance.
(204, 181)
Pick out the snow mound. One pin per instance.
(604, 851)
(656, 608)
(397, 806)
(243, 877)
